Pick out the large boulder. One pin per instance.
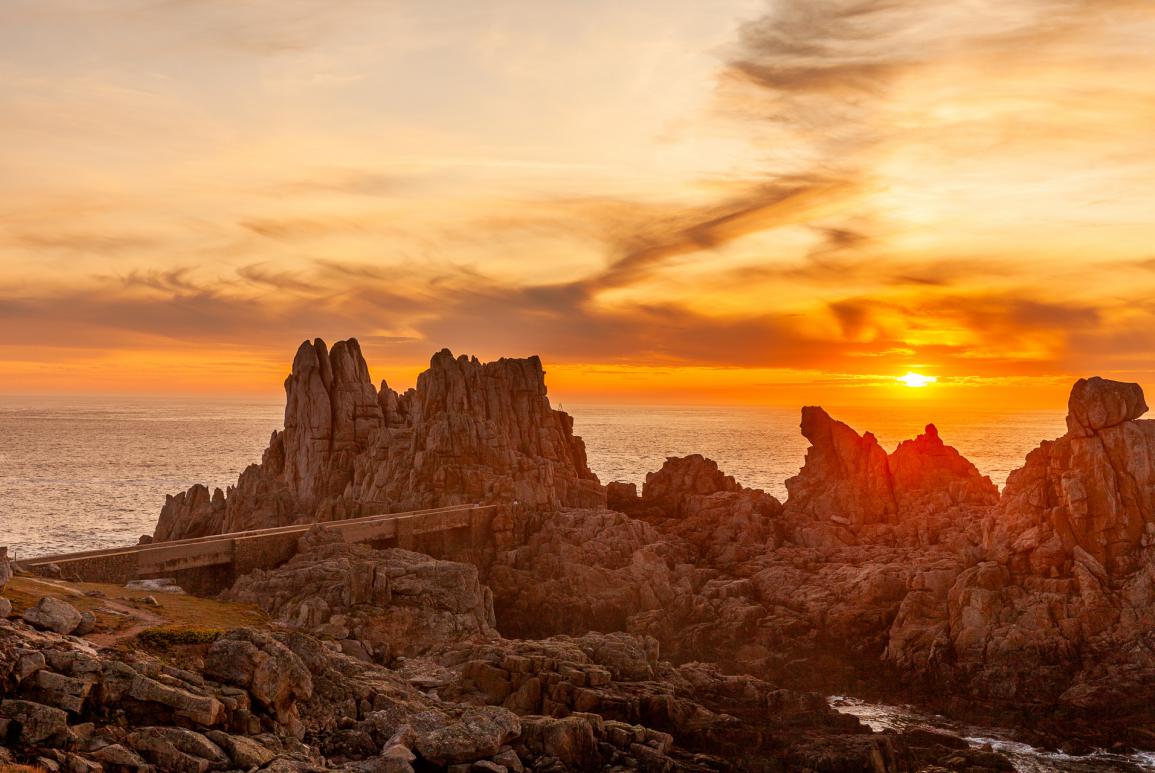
(1097, 403)
(31, 723)
(478, 733)
(52, 614)
(178, 750)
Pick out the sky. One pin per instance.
(756, 201)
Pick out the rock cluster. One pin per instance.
(288, 702)
(470, 432)
(882, 566)
(725, 523)
(378, 604)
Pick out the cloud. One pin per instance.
(290, 281)
(176, 280)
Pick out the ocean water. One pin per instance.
(1026, 758)
(79, 473)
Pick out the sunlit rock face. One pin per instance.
(1062, 608)
(1091, 491)
(470, 432)
(477, 432)
(331, 415)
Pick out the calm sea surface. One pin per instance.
(82, 473)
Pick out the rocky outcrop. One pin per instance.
(378, 604)
(1093, 490)
(607, 697)
(846, 478)
(850, 491)
(691, 498)
(1059, 612)
(585, 570)
(479, 432)
(470, 432)
(680, 478)
(929, 476)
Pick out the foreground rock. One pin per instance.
(290, 702)
(52, 614)
(379, 604)
(470, 432)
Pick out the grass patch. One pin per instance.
(175, 610)
(178, 635)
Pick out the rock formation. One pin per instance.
(850, 491)
(724, 522)
(1059, 613)
(845, 478)
(470, 432)
(378, 604)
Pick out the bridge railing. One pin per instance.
(197, 552)
(272, 530)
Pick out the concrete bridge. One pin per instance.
(209, 564)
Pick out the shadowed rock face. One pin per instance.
(470, 432)
(845, 476)
(850, 491)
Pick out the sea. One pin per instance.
(80, 473)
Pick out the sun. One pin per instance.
(917, 380)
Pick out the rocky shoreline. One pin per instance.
(695, 625)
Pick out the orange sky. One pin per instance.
(775, 202)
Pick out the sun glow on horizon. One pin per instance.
(917, 380)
